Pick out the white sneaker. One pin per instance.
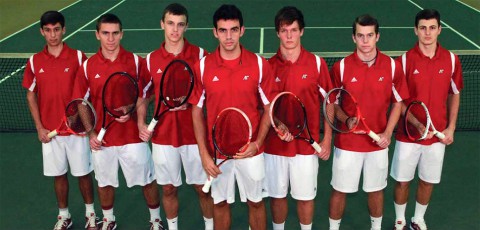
(418, 225)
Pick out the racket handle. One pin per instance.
(440, 135)
(317, 147)
(54, 133)
(152, 124)
(373, 135)
(101, 134)
(207, 185)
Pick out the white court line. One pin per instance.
(262, 33)
(443, 22)
(35, 23)
(67, 37)
(268, 28)
(465, 4)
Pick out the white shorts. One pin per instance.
(249, 174)
(135, 161)
(168, 162)
(62, 151)
(300, 171)
(429, 159)
(347, 167)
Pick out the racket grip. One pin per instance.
(101, 134)
(373, 135)
(440, 135)
(54, 133)
(152, 125)
(317, 147)
(207, 185)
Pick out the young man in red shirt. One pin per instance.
(295, 162)
(434, 76)
(121, 145)
(49, 77)
(377, 82)
(173, 140)
(233, 77)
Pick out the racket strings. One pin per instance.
(120, 95)
(176, 85)
(289, 115)
(80, 117)
(340, 111)
(231, 133)
(416, 121)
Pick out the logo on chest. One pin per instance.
(66, 70)
(304, 76)
(215, 79)
(41, 70)
(246, 77)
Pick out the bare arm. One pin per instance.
(200, 130)
(142, 105)
(385, 137)
(34, 111)
(453, 104)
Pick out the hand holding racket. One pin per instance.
(418, 122)
(342, 113)
(176, 86)
(79, 119)
(289, 119)
(231, 134)
(119, 97)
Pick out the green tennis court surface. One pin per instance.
(27, 200)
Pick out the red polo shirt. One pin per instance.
(52, 79)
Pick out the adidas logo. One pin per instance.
(66, 70)
(41, 70)
(440, 71)
(215, 79)
(97, 76)
(354, 79)
(416, 72)
(304, 76)
(246, 77)
(277, 79)
(380, 79)
(159, 70)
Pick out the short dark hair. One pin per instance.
(108, 18)
(365, 20)
(288, 15)
(52, 17)
(175, 9)
(427, 14)
(227, 12)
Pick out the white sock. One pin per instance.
(334, 224)
(420, 210)
(280, 226)
(208, 223)
(64, 212)
(154, 214)
(376, 222)
(108, 214)
(306, 226)
(173, 223)
(89, 209)
(400, 211)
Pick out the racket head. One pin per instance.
(288, 112)
(80, 116)
(176, 84)
(231, 132)
(120, 94)
(339, 107)
(417, 121)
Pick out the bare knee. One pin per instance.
(169, 190)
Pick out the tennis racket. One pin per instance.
(288, 114)
(418, 122)
(343, 114)
(231, 134)
(119, 97)
(176, 86)
(79, 119)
